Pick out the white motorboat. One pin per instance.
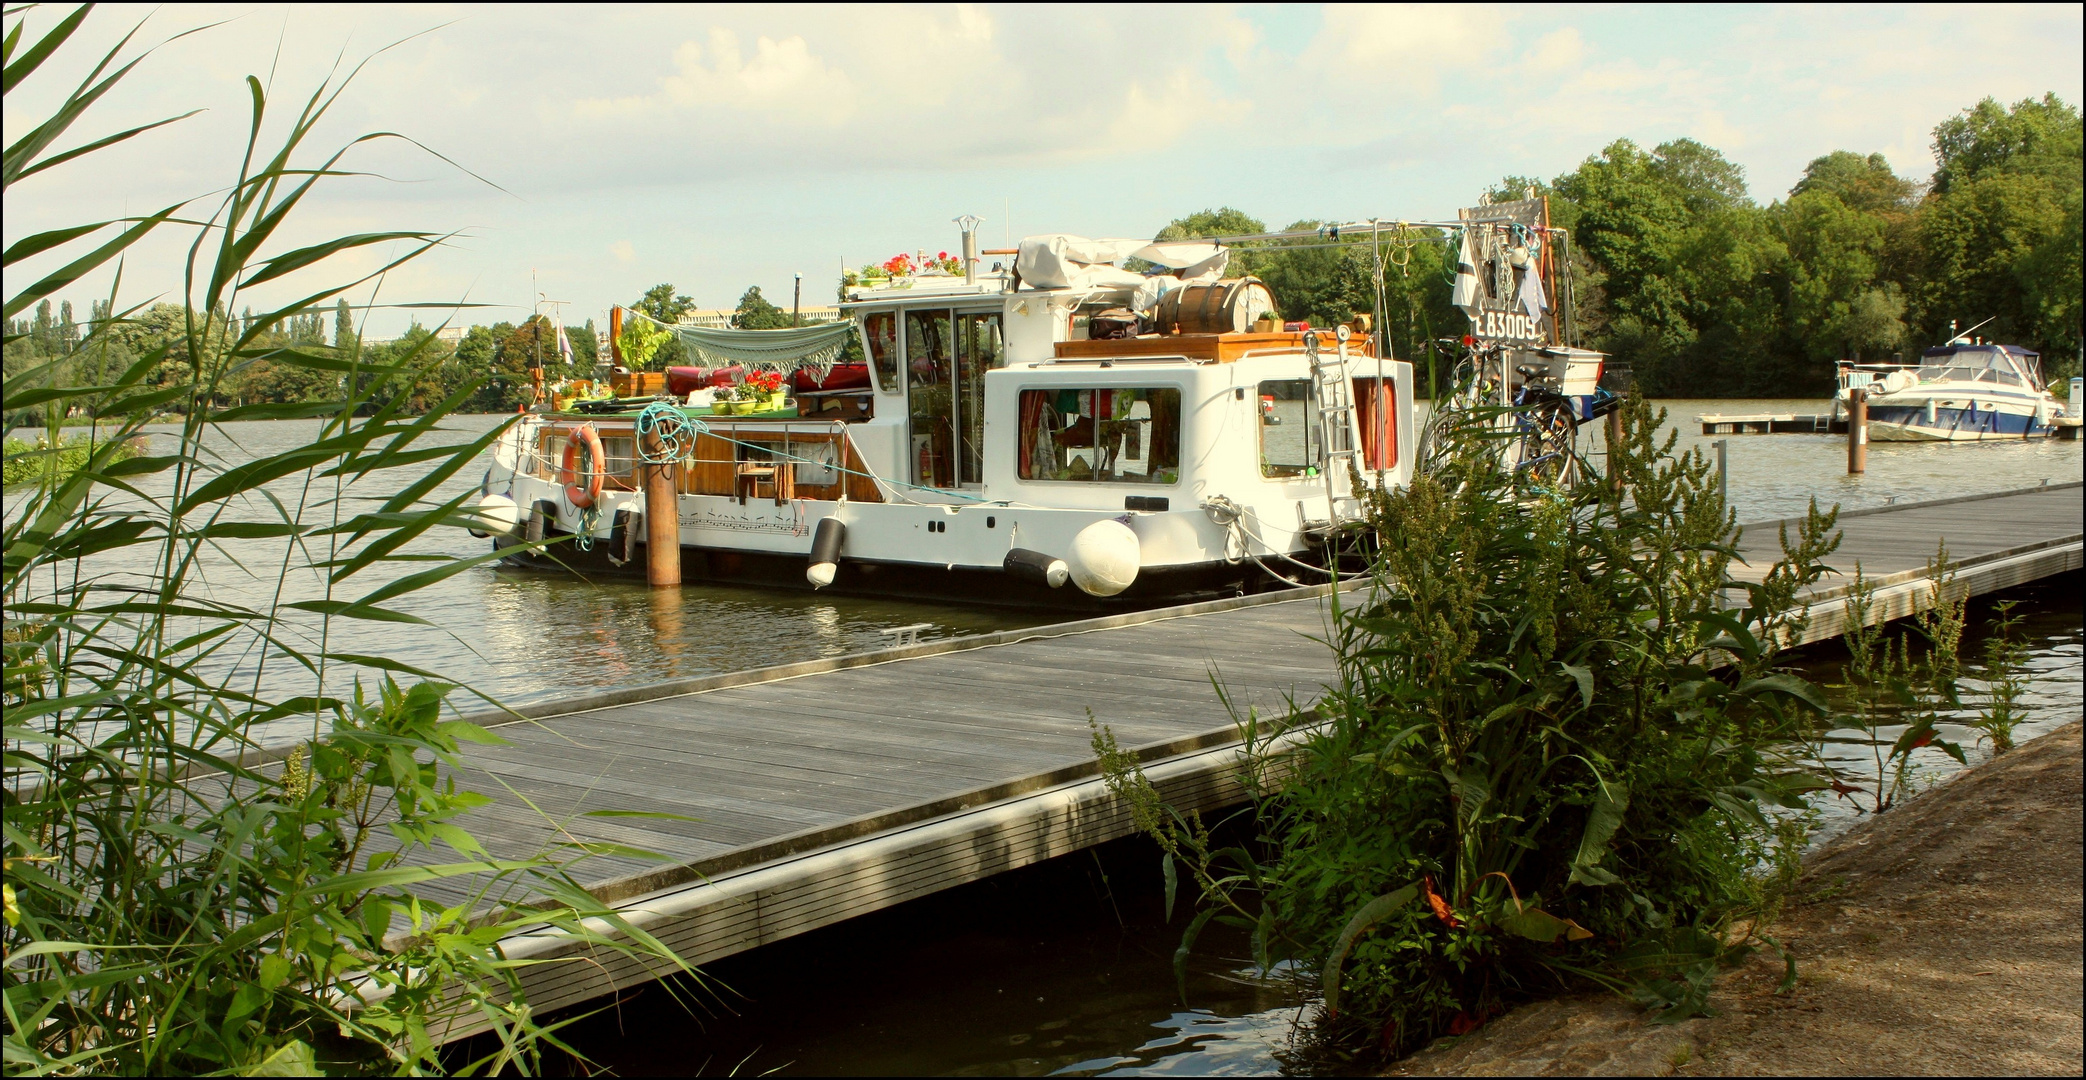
(1967, 390)
(1057, 431)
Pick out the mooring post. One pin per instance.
(1615, 450)
(1723, 470)
(662, 519)
(1857, 431)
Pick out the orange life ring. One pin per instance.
(597, 467)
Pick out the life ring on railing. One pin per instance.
(597, 467)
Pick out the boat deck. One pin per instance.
(813, 792)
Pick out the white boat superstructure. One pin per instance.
(1017, 440)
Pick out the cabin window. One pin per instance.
(881, 330)
(1106, 435)
(1289, 441)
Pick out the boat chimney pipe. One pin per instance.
(969, 224)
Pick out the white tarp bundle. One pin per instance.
(1061, 260)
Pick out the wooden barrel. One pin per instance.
(1229, 306)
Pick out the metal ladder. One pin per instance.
(1332, 394)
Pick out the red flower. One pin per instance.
(941, 254)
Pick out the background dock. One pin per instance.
(1772, 424)
(838, 787)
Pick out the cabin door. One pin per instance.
(947, 356)
(930, 384)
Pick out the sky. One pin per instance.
(600, 150)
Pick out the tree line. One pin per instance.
(502, 353)
(1706, 292)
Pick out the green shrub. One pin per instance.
(1548, 758)
(40, 461)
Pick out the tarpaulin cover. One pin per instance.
(1061, 260)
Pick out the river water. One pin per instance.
(1063, 967)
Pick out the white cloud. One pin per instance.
(623, 251)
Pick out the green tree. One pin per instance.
(2038, 135)
(1631, 220)
(506, 376)
(661, 303)
(756, 313)
(344, 336)
(2001, 226)
(585, 348)
(1838, 302)
(1223, 221)
(1864, 184)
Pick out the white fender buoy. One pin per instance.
(499, 514)
(1104, 558)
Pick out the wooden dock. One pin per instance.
(1772, 424)
(832, 788)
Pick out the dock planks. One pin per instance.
(814, 792)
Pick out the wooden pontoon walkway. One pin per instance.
(828, 789)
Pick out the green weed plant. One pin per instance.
(1562, 750)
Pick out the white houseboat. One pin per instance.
(1060, 430)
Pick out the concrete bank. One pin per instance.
(1941, 938)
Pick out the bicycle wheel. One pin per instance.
(1548, 431)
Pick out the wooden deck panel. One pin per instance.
(820, 796)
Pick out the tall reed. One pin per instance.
(179, 897)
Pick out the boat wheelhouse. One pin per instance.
(1057, 431)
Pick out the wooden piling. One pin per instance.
(1615, 450)
(662, 519)
(1857, 431)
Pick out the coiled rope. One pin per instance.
(674, 431)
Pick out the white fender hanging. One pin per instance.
(825, 552)
(499, 514)
(1104, 559)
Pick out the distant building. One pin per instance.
(722, 317)
(452, 334)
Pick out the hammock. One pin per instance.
(797, 348)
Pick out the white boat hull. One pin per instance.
(1949, 414)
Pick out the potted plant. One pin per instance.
(766, 386)
(1268, 323)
